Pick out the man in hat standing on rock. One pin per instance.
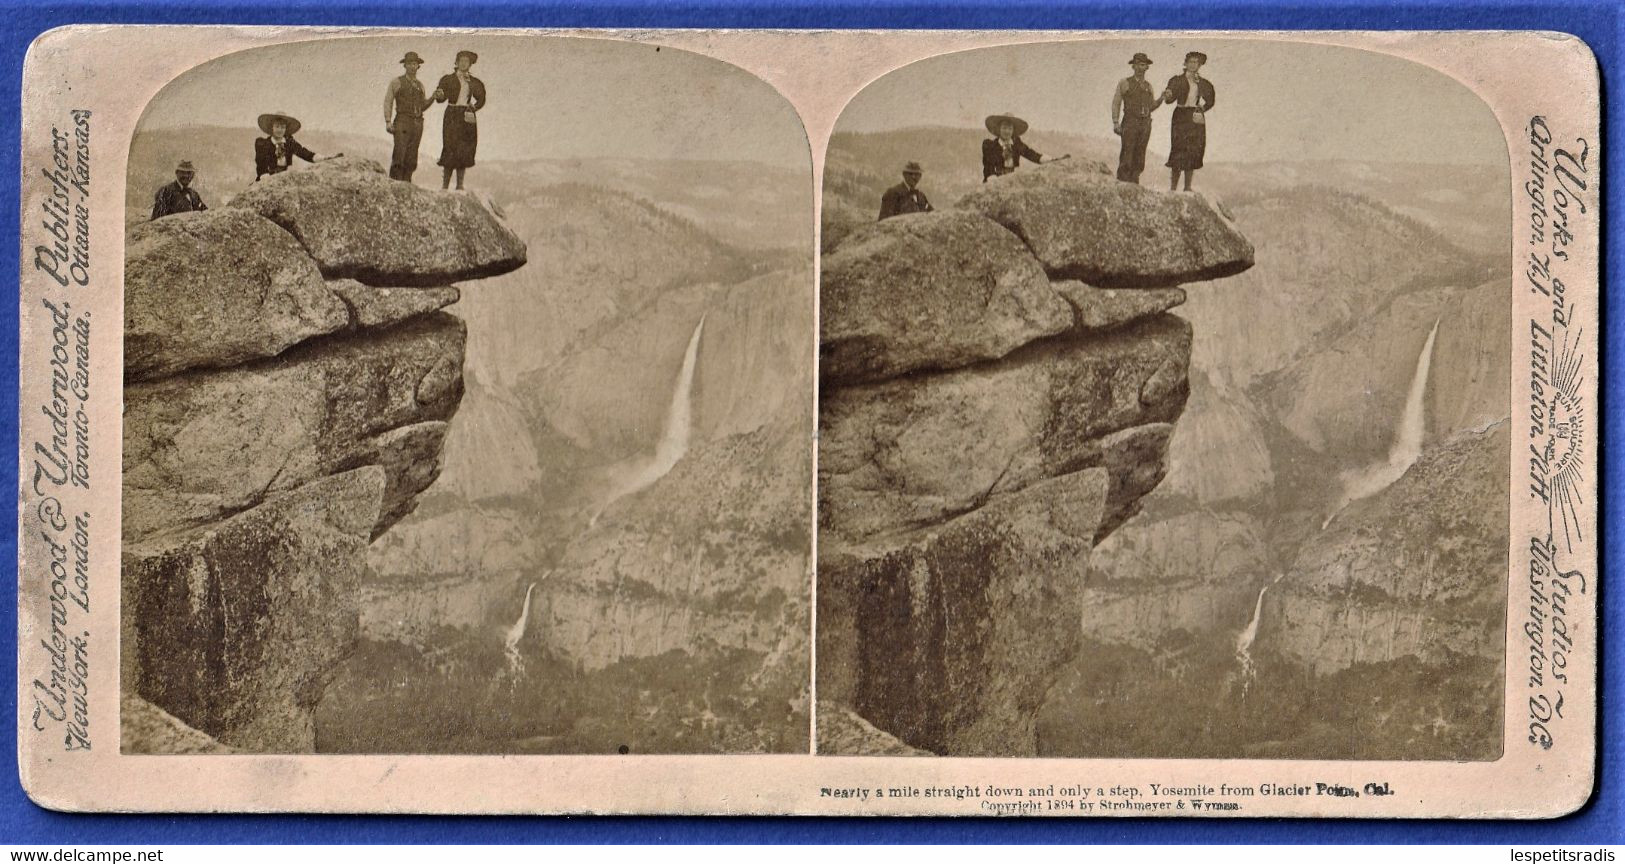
(1003, 153)
(1132, 104)
(405, 100)
(274, 153)
(906, 196)
(179, 196)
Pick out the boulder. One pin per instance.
(233, 628)
(203, 445)
(359, 224)
(1106, 308)
(218, 288)
(372, 308)
(930, 291)
(1085, 225)
(948, 638)
(913, 451)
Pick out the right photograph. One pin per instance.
(1164, 407)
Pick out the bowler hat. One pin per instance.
(1200, 57)
(1140, 58)
(472, 57)
(185, 167)
(995, 120)
(267, 119)
(912, 168)
(412, 57)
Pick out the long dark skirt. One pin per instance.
(458, 139)
(1188, 141)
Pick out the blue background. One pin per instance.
(1599, 24)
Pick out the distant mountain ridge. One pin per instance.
(748, 204)
(1467, 204)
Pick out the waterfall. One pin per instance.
(679, 420)
(510, 641)
(639, 474)
(1244, 642)
(1402, 454)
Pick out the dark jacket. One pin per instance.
(450, 88)
(993, 156)
(900, 199)
(1181, 87)
(176, 198)
(265, 161)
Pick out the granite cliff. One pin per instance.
(1270, 599)
(999, 387)
(289, 377)
(643, 479)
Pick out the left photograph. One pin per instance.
(468, 403)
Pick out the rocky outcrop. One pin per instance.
(372, 307)
(1083, 224)
(218, 288)
(279, 415)
(1107, 308)
(321, 408)
(912, 451)
(357, 223)
(234, 625)
(981, 428)
(948, 635)
(934, 291)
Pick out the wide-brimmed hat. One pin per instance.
(1200, 57)
(185, 166)
(995, 120)
(1140, 58)
(411, 57)
(472, 57)
(912, 168)
(267, 119)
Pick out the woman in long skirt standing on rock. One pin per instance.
(1192, 97)
(464, 96)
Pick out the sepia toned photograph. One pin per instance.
(468, 403)
(780, 423)
(1165, 407)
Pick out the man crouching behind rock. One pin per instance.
(179, 196)
(906, 196)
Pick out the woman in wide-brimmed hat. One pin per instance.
(464, 96)
(1192, 97)
(274, 153)
(1002, 153)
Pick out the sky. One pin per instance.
(549, 97)
(1275, 101)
